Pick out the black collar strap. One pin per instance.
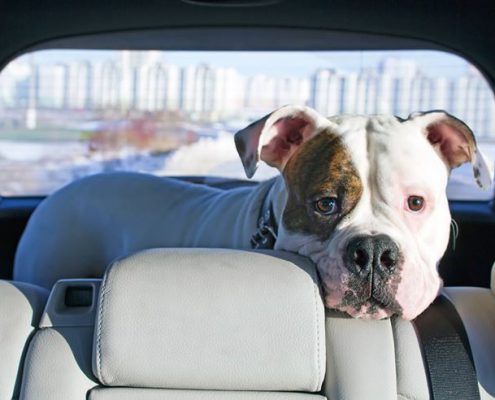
(266, 232)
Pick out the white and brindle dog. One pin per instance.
(365, 198)
(362, 196)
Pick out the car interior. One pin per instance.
(96, 300)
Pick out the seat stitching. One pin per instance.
(318, 377)
(100, 326)
(393, 327)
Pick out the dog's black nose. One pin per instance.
(367, 254)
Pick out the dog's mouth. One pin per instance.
(373, 297)
(378, 305)
(364, 283)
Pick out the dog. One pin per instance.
(364, 198)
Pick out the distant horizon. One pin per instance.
(277, 63)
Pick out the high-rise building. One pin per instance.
(187, 88)
(458, 97)
(348, 98)
(229, 92)
(260, 93)
(172, 96)
(51, 85)
(14, 84)
(291, 90)
(366, 92)
(326, 88)
(151, 87)
(79, 85)
(130, 63)
(204, 89)
(105, 87)
(158, 87)
(440, 93)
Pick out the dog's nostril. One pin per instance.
(359, 255)
(387, 259)
(361, 258)
(386, 253)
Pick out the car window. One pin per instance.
(65, 114)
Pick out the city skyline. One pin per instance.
(143, 81)
(273, 63)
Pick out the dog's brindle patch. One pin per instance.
(333, 175)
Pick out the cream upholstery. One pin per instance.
(21, 306)
(157, 394)
(382, 359)
(177, 323)
(476, 307)
(58, 364)
(58, 361)
(226, 320)
(373, 360)
(186, 324)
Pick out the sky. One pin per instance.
(279, 64)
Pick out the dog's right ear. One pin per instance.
(275, 137)
(455, 143)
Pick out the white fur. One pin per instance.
(394, 160)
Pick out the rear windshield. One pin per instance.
(65, 114)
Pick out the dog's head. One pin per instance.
(366, 200)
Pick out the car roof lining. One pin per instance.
(458, 26)
(229, 39)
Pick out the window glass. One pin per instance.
(65, 114)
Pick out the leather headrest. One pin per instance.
(210, 319)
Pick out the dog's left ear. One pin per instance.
(455, 143)
(275, 137)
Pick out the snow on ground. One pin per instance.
(28, 151)
(211, 156)
(41, 167)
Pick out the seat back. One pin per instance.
(383, 359)
(21, 306)
(176, 323)
(213, 324)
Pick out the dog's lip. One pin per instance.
(368, 309)
(373, 302)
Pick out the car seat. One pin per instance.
(84, 227)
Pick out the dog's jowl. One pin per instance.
(364, 198)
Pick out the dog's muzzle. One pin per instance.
(374, 263)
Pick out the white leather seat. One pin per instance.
(185, 324)
(383, 360)
(209, 324)
(21, 305)
(476, 307)
(365, 359)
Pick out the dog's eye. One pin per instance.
(326, 205)
(415, 203)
